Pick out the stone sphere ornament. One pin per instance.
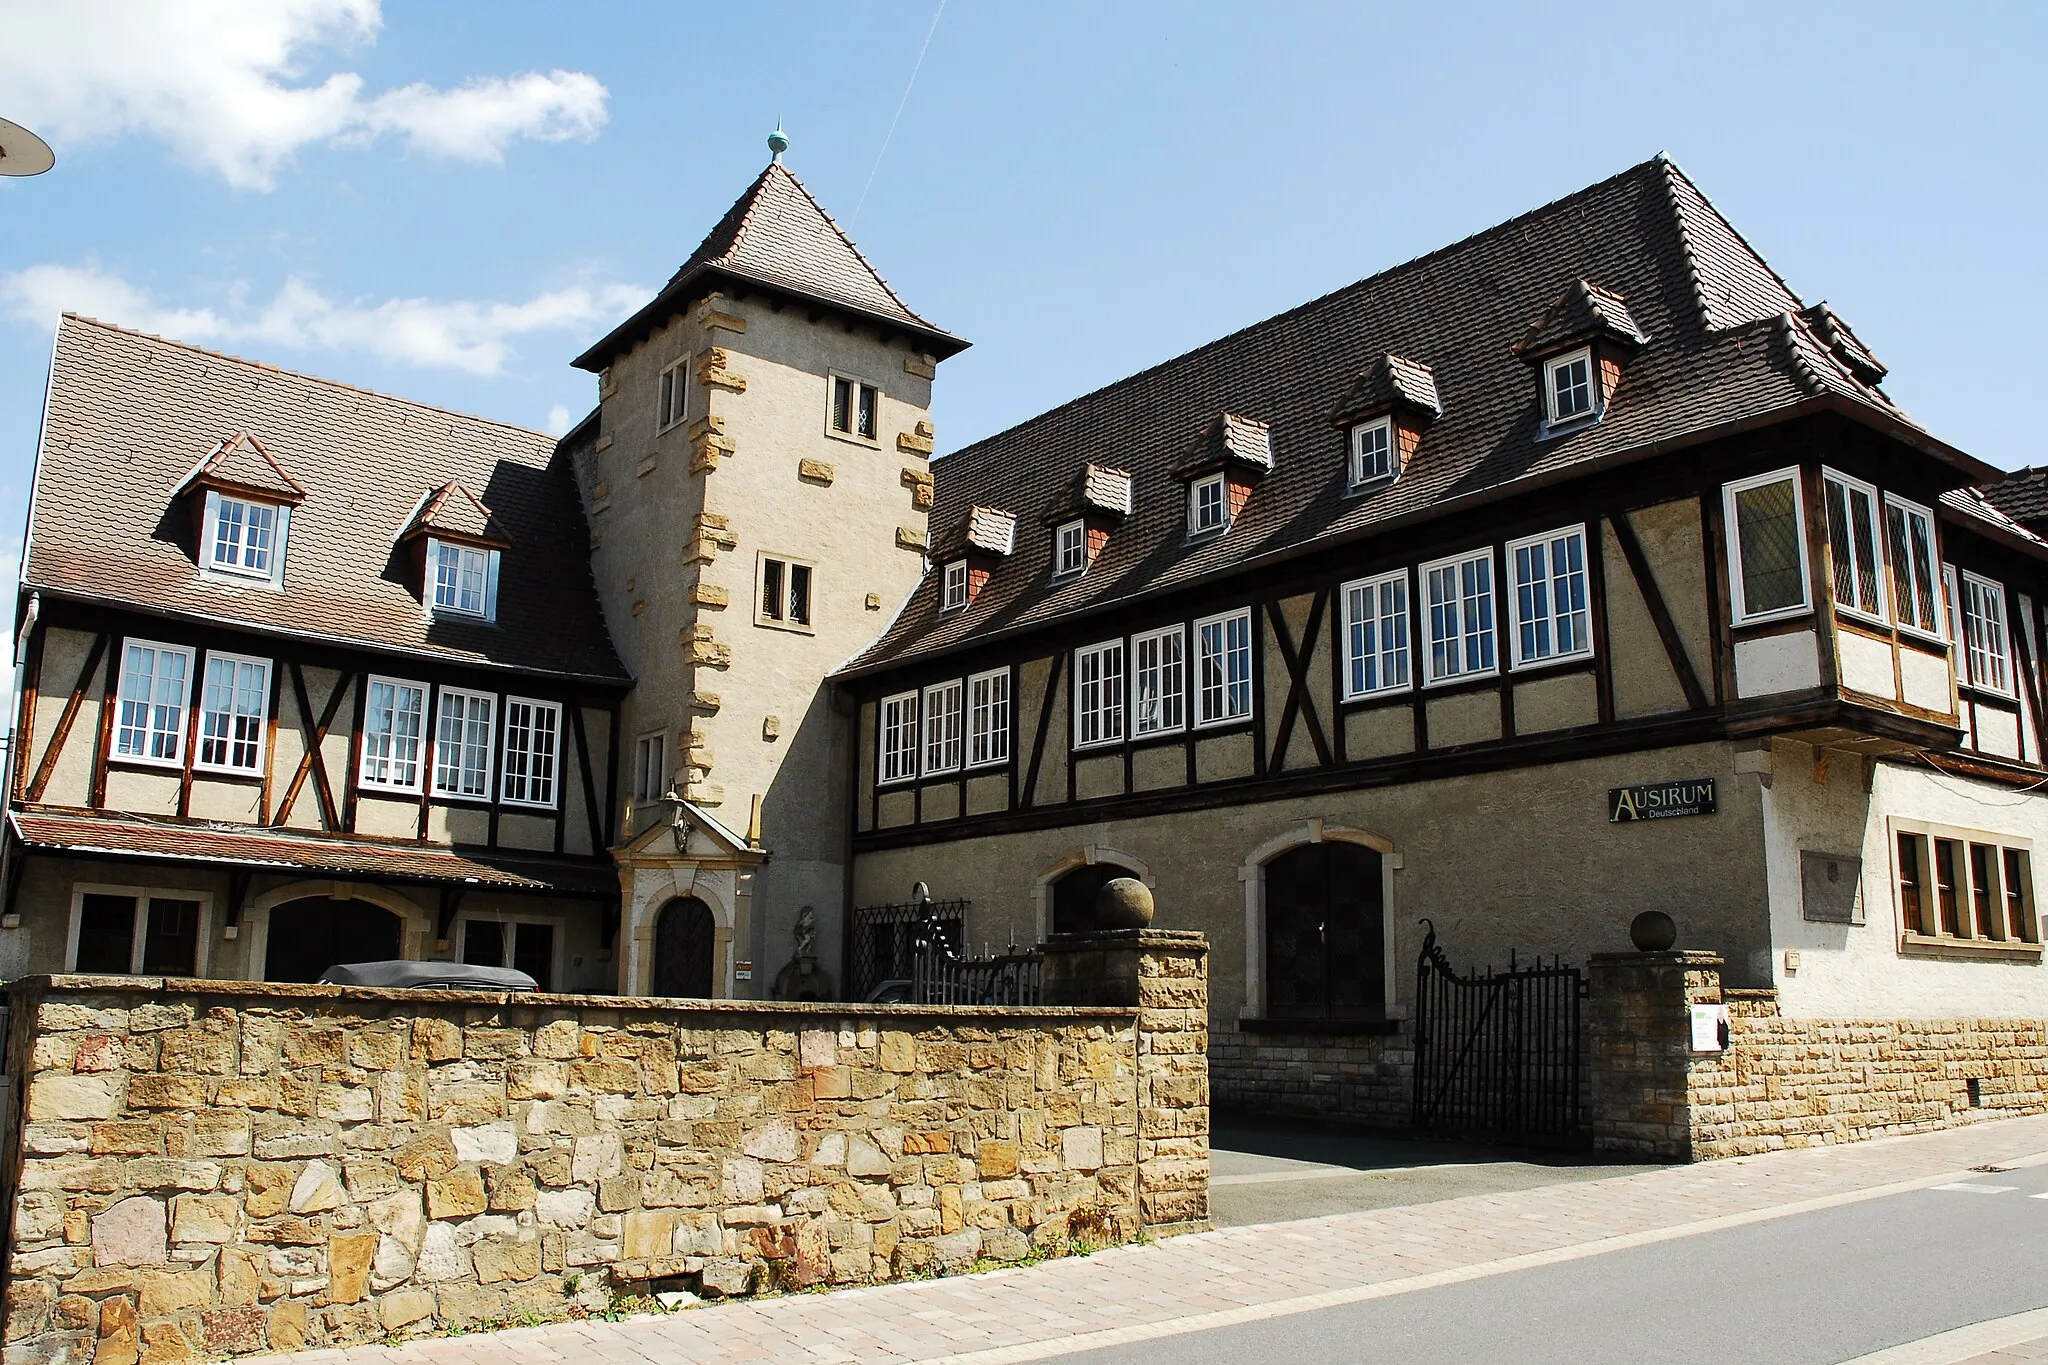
(1123, 903)
(1653, 931)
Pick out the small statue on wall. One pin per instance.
(802, 979)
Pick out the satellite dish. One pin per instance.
(22, 152)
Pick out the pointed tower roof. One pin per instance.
(776, 236)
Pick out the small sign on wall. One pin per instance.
(1709, 1028)
(1661, 800)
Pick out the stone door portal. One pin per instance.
(685, 934)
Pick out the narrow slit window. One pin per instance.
(1853, 546)
(1985, 903)
(1913, 883)
(1948, 886)
(650, 768)
(674, 399)
(2018, 884)
(1984, 645)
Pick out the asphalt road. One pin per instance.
(1808, 1289)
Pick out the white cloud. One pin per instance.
(558, 422)
(476, 337)
(225, 83)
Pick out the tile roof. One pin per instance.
(991, 530)
(125, 414)
(1976, 504)
(1725, 346)
(131, 836)
(453, 510)
(1106, 490)
(241, 462)
(776, 234)
(1583, 311)
(1231, 438)
(2022, 495)
(1387, 380)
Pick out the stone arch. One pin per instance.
(1043, 896)
(416, 920)
(1252, 872)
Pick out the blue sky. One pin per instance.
(449, 201)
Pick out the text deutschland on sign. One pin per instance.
(1661, 800)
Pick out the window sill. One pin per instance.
(379, 789)
(1772, 618)
(529, 807)
(1244, 722)
(1477, 675)
(1381, 1026)
(1554, 661)
(1212, 533)
(169, 765)
(229, 578)
(1976, 692)
(450, 614)
(1098, 746)
(230, 774)
(766, 624)
(1362, 487)
(1570, 426)
(1959, 949)
(865, 442)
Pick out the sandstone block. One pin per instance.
(459, 1194)
(348, 1266)
(493, 1142)
(132, 1232)
(996, 1160)
(317, 1190)
(405, 1308)
(234, 1331)
(288, 1327)
(898, 1052)
(167, 1292)
(53, 1095)
(205, 1218)
(648, 1233)
(425, 1158)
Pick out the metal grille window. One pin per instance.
(1459, 596)
(1376, 634)
(533, 731)
(151, 705)
(1984, 647)
(988, 717)
(1207, 505)
(243, 535)
(1159, 681)
(1910, 532)
(1372, 452)
(1964, 887)
(465, 580)
(1223, 668)
(1099, 694)
(1569, 385)
(898, 738)
(1550, 596)
(955, 586)
(944, 717)
(1072, 548)
(1767, 546)
(394, 714)
(233, 711)
(462, 744)
(1853, 545)
(855, 408)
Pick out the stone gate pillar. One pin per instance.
(1639, 1047)
(1164, 975)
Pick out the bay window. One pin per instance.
(1766, 546)
(1854, 545)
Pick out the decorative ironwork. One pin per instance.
(941, 976)
(885, 940)
(1497, 1053)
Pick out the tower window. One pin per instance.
(856, 409)
(785, 593)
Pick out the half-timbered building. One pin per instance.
(1577, 569)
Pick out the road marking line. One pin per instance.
(1949, 1348)
(1337, 1298)
(2042, 1195)
(1972, 1187)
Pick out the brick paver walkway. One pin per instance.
(1241, 1274)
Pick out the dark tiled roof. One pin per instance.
(453, 510)
(1581, 312)
(991, 530)
(130, 836)
(2022, 495)
(1387, 381)
(1725, 345)
(777, 235)
(127, 412)
(242, 462)
(1835, 333)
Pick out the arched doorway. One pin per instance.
(1325, 933)
(685, 933)
(1073, 896)
(308, 936)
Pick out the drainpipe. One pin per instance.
(14, 742)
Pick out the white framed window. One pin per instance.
(463, 741)
(1952, 601)
(1855, 544)
(533, 751)
(1986, 660)
(1960, 886)
(1550, 596)
(1208, 505)
(1457, 596)
(953, 587)
(1766, 546)
(1909, 535)
(525, 945)
(1376, 635)
(245, 538)
(1223, 668)
(1372, 453)
(150, 709)
(897, 738)
(650, 768)
(784, 594)
(464, 579)
(1099, 694)
(132, 930)
(1070, 548)
(945, 723)
(394, 718)
(856, 409)
(1159, 681)
(234, 714)
(1568, 386)
(988, 718)
(673, 402)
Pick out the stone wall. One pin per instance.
(214, 1168)
(1356, 1078)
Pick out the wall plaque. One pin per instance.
(1661, 800)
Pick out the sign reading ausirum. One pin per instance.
(1661, 800)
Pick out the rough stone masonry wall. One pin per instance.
(212, 1168)
(1358, 1078)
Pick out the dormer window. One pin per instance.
(465, 579)
(455, 545)
(954, 588)
(1568, 382)
(1207, 505)
(1070, 547)
(243, 536)
(242, 499)
(1372, 453)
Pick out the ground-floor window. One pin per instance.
(1963, 886)
(523, 945)
(153, 933)
(1325, 933)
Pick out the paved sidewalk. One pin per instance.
(1247, 1273)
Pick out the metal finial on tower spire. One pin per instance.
(778, 142)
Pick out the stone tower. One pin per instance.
(757, 486)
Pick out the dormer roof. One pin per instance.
(1390, 381)
(991, 530)
(452, 512)
(1097, 491)
(1848, 348)
(1583, 312)
(1230, 440)
(241, 465)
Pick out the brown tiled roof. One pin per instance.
(1829, 326)
(1388, 380)
(129, 836)
(125, 414)
(991, 530)
(1229, 438)
(1107, 490)
(1726, 346)
(453, 510)
(241, 462)
(777, 235)
(2022, 495)
(1583, 311)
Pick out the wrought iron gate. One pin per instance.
(1497, 1053)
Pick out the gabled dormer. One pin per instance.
(1579, 348)
(1844, 344)
(241, 502)
(1383, 416)
(1096, 502)
(990, 536)
(453, 545)
(1232, 454)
